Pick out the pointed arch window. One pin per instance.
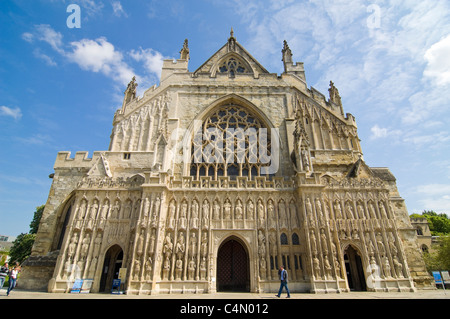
(232, 141)
(284, 239)
(233, 66)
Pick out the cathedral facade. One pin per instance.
(216, 178)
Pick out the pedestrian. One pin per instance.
(4, 271)
(12, 279)
(284, 280)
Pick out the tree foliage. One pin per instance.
(439, 259)
(23, 244)
(21, 247)
(439, 223)
(34, 225)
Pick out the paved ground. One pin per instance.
(420, 294)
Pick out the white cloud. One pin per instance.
(438, 62)
(37, 139)
(435, 140)
(379, 132)
(98, 56)
(15, 113)
(153, 60)
(48, 60)
(434, 197)
(118, 10)
(92, 7)
(44, 32)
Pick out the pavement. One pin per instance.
(419, 294)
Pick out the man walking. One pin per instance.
(283, 277)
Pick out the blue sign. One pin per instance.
(76, 288)
(437, 277)
(116, 286)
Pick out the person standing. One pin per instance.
(284, 280)
(4, 271)
(12, 279)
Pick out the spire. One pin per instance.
(231, 33)
(184, 53)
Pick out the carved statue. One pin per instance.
(180, 246)
(205, 214)
(282, 214)
(250, 210)
(194, 215)
(168, 246)
(171, 215)
(238, 210)
(193, 245)
(183, 214)
(227, 209)
(216, 214)
(204, 245)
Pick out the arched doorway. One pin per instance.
(354, 270)
(233, 272)
(111, 266)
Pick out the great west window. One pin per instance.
(231, 141)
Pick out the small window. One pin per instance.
(284, 239)
(126, 156)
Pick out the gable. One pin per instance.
(100, 168)
(232, 57)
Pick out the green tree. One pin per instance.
(439, 223)
(440, 258)
(21, 247)
(34, 225)
(23, 244)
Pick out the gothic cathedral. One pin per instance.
(216, 178)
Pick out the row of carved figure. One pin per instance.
(179, 253)
(191, 216)
(196, 214)
(318, 209)
(381, 248)
(184, 256)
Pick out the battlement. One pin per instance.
(81, 159)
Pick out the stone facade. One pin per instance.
(217, 177)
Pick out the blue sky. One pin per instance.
(60, 86)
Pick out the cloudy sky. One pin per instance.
(62, 78)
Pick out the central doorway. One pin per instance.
(354, 270)
(232, 267)
(111, 267)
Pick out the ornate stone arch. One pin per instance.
(245, 156)
(65, 213)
